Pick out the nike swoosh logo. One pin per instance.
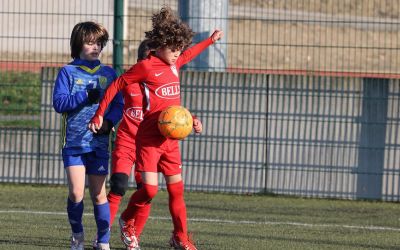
(133, 94)
(159, 74)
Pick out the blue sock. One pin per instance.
(75, 212)
(102, 217)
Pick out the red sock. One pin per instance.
(114, 200)
(141, 218)
(139, 200)
(177, 207)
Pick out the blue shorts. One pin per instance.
(95, 164)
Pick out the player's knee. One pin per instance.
(175, 190)
(99, 198)
(150, 190)
(76, 194)
(75, 197)
(119, 183)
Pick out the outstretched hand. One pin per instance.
(95, 123)
(217, 35)
(197, 126)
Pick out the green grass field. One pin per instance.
(20, 98)
(33, 217)
(20, 93)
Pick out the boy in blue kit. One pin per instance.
(77, 91)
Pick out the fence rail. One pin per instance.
(230, 156)
(313, 136)
(333, 137)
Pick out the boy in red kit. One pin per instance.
(156, 153)
(124, 154)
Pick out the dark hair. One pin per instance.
(86, 32)
(169, 31)
(144, 49)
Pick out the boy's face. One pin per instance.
(90, 51)
(167, 55)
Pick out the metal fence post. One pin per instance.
(372, 138)
(118, 36)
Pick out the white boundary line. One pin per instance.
(371, 228)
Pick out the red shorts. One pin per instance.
(123, 159)
(164, 158)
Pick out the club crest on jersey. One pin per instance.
(103, 82)
(173, 69)
(135, 113)
(169, 91)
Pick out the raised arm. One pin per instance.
(195, 50)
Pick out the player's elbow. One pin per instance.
(58, 106)
(57, 109)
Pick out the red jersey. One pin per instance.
(132, 116)
(161, 88)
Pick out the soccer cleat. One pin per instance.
(128, 234)
(102, 246)
(77, 241)
(184, 242)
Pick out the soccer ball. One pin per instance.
(175, 122)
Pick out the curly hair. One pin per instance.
(169, 31)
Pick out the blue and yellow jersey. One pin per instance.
(70, 98)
